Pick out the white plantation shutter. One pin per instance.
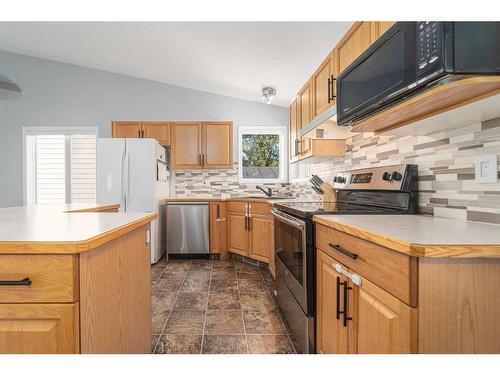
(83, 168)
(50, 169)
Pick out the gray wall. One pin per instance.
(56, 94)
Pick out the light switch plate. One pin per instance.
(487, 169)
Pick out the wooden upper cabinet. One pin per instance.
(305, 105)
(383, 26)
(331, 334)
(39, 328)
(355, 42)
(292, 121)
(157, 130)
(186, 145)
(126, 129)
(381, 324)
(217, 147)
(323, 86)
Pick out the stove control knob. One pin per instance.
(342, 180)
(396, 176)
(386, 176)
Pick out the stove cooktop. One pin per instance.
(308, 209)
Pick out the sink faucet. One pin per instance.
(266, 190)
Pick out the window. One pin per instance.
(60, 165)
(262, 154)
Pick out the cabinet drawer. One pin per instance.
(394, 272)
(259, 208)
(237, 206)
(54, 278)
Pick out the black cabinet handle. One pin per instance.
(329, 90)
(345, 312)
(332, 90)
(246, 222)
(25, 281)
(343, 251)
(338, 297)
(218, 212)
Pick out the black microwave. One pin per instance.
(410, 56)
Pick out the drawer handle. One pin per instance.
(343, 251)
(25, 281)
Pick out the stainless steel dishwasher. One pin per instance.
(188, 228)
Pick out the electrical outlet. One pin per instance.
(486, 169)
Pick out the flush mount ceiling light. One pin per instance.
(268, 94)
(8, 89)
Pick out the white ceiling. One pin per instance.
(233, 58)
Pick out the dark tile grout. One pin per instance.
(237, 279)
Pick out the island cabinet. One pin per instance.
(83, 297)
(248, 229)
(198, 145)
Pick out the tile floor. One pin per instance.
(205, 306)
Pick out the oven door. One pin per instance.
(290, 246)
(384, 72)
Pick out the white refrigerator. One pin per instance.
(134, 173)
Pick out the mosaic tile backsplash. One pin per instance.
(446, 162)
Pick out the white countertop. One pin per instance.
(421, 235)
(51, 223)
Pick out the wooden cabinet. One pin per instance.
(323, 86)
(217, 144)
(248, 229)
(186, 145)
(381, 324)
(354, 43)
(331, 335)
(218, 229)
(134, 129)
(126, 129)
(305, 109)
(39, 328)
(294, 131)
(360, 318)
(383, 26)
(202, 145)
(157, 130)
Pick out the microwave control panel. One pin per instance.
(429, 40)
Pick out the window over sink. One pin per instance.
(262, 154)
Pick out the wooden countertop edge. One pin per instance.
(104, 207)
(72, 247)
(414, 249)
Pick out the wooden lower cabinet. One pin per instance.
(362, 319)
(39, 328)
(331, 336)
(248, 229)
(218, 229)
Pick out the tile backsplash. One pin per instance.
(446, 162)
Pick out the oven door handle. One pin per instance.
(294, 223)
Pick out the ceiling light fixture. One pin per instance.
(268, 94)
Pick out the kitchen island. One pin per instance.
(410, 283)
(74, 279)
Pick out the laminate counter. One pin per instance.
(422, 236)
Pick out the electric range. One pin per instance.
(379, 190)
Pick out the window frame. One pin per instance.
(29, 191)
(281, 131)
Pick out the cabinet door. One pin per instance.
(294, 146)
(39, 328)
(383, 26)
(237, 234)
(157, 130)
(322, 87)
(186, 145)
(358, 39)
(218, 229)
(305, 116)
(259, 237)
(217, 145)
(331, 334)
(126, 129)
(380, 322)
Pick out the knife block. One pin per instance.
(330, 194)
